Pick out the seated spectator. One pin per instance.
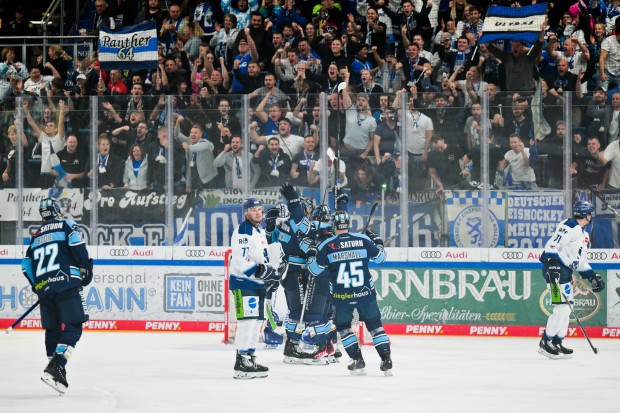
(275, 164)
(72, 165)
(136, 174)
(317, 171)
(233, 162)
(110, 171)
(518, 159)
(448, 165)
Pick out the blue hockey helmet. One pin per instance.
(341, 220)
(582, 208)
(49, 208)
(283, 212)
(251, 203)
(307, 205)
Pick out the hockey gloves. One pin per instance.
(374, 237)
(289, 192)
(598, 284)
(266, 273)
(272, 215)
(312, 251)
(87, 273)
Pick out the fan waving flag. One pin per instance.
(513, 23)
(128, 48)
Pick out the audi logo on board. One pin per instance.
(597, 255)
(512, 255)
(430, 254)
(195, 253)
(121, 252)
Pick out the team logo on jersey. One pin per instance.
(468, 228)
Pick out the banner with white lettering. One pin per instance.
(513, 23)
(605, 225)
(465, 217)
(129, 48)
(532, 217)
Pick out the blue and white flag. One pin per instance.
(181, 238)
(128, 48)
(513, 23)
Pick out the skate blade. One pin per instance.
(49, 380)
(548, 355)
(242, 375)
(316, 362)
(332, 360)
(261, 375)
(271, 346)
(388, 373)
(292, 360)
(358, 372)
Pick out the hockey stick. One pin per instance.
(372, 211)
(605, 203)
(583, 330)
(272, 321)
(28, 311)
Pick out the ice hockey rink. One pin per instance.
(192, 372)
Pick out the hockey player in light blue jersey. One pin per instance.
(566, 252)
(251, 275)
(57, 266)
(344, 259)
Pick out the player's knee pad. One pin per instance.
(71, 334)
(248, 305)
(373, 324)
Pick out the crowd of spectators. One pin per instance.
(282, 53)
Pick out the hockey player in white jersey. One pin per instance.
(251, 276)
(565, 252)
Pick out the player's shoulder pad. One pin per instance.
(245, 228)
(571, 223)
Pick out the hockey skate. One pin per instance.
(563, 352)
(331, 353)
(261, 371)
(55, 375)
(356, 365)
(244, 368)
(386, 363)
(319, 358)
(547, 349)
(294, 355)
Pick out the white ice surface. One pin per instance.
(192, 372)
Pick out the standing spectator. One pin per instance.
(291, 144)
(591, 172)
(518, 158)
(51, 139)
(223, 43)
(223, 125)
(103, 17)
(73, 163)
(199, 159)
(413, 65)
(152, 11)
(611, 156)
(159, 156)
(359, 138)
(388, 133)
(10, 70)
(303, 162)
(10, 157)
(609, 64)
(612, 120)
(241, 9)
(20, 28)
(135, 175)
(110, 169)
(365, 185)
(339, 180)
(174, 27)
(57, 65)
(275, 165)
(235, 170)
(61, 303)
(447, 165)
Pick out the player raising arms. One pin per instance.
(57, 266)
(565, 252)
(344, 259)
(251, 276)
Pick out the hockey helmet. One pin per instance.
(307, 205)
(49, 208)
(251, 203)
(340, 220)
(321, 214)
(283, 212)
(582, 208)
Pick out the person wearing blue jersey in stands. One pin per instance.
(344, 259)
(57, 266)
